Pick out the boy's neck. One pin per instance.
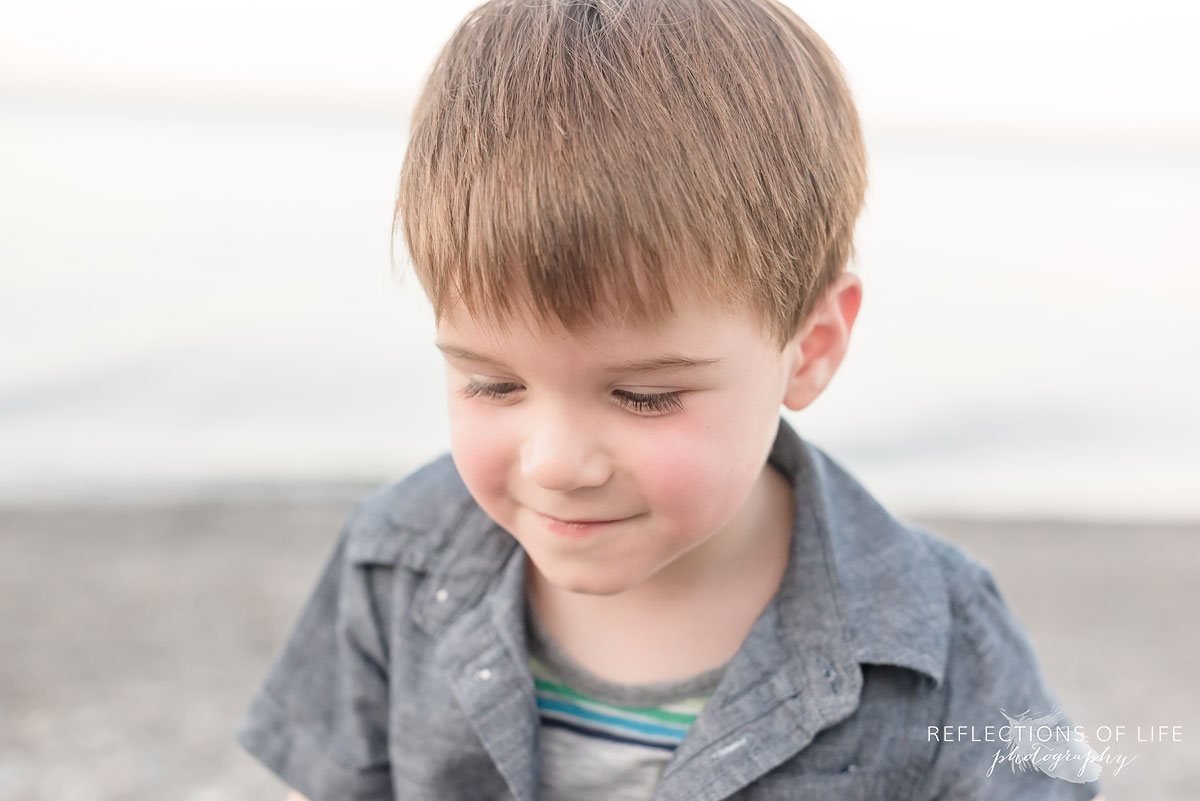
(689, 617)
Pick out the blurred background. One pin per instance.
(206, 358)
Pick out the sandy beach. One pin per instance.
(131, 637)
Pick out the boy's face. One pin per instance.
(549, 426)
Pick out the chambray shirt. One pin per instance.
(406, 674)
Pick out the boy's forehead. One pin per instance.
(691, 322)
(685, 345)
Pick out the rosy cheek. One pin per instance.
(672, 473)
(480, 455)
(694, 482)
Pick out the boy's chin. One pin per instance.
(587, 581)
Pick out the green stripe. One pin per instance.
(647, 711)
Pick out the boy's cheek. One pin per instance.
(702, 470)
(688, 476)
(481, 457)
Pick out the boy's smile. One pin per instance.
(629, 461)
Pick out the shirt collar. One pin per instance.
(858, 578)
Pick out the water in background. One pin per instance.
(194, 298)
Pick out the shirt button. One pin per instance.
(483, 674)
(441, 595)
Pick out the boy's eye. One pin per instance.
(500, 390)
(656, 402)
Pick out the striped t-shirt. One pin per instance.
(603, 740)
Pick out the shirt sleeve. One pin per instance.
(319, 719)
(1009, 737)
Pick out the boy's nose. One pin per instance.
(562, 455)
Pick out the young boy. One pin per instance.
(631, 578)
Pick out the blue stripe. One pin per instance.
(613, 720)
(603, 735)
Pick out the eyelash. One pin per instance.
(658, 402)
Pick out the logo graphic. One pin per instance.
(1048, 744)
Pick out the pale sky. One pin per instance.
(1116, 70)
(195, 286)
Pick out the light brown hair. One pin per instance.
(574, 159)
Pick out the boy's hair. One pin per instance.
(575, 159)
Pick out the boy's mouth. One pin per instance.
(581, 522)
(577, 527)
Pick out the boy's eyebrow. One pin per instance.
(667, 362)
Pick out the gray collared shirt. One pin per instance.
(406, 674)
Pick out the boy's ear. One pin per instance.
(820, 343)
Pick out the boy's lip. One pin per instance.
(581, 522)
